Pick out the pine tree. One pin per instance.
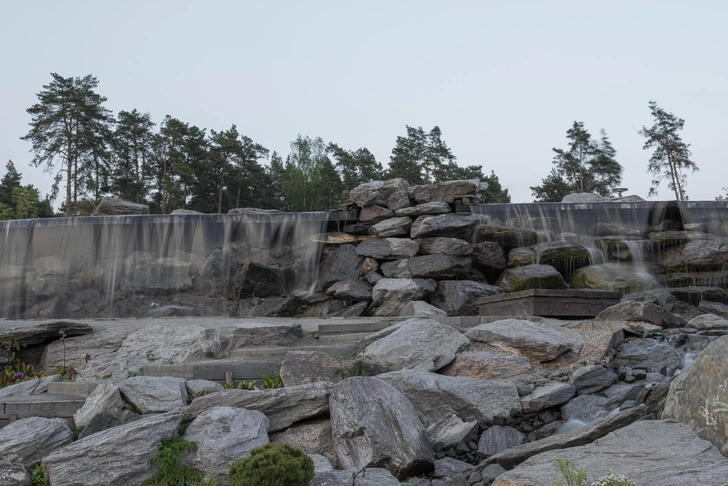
(311, 182)
(671, 155)
(69, 131)
(586, 166)
(278, 177)
(495, 192)
(133, 156)
(355, 167)
(9, 181)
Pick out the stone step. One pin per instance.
(351, 326)
(81, 389)
(344, 338)
(219, 369)
(281, 351)
(42, 405)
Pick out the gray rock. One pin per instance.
(282, 406)
(437, 398)
(388, 248)
(154, 345)
(697, 255)
(547, 396)
(456, 226)
(489, 258)
(374, 424)
(591, 379)
(487, 366)
(499, 438)
(698, 396)
(443, 191)
(460, 297)
(105, 399)
(224, 435)
(252, 211)
(584, 197)
(356, 290)
(519, 257)
(257, 280)
(531, 277)
(508, 238)
(126, 453)
(648, 354)
(392, 227)
(154, 394)
(425, 266)
(585, 408)
(449, 466)
(422, 344)
(648, 452)
(111, 206)
(27, 441)
(184, 212)
(531, 340)
(390, 295)
(716, 308)
(13, 474)
(368, 194)
(584, 435)
(320, 463)
(303, 367)
(394, 185)
(265, 333)
(425, 208)
(565, 256)
(38, 333)
(398, 200)
(29, 387)
(374, 214)
(163, 276)
(344, 263)
(631, 310)
(620, 277)
(420, 308)
(491, 472)
(706, 322)
(198, 386)
(368, 477)
(312, 437)
(355, 310)
(444, 246)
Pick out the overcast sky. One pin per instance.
(503, 80)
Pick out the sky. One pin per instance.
(502, 80)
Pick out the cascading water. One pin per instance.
(109, 266)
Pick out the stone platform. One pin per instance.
(571, 304)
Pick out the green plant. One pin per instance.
(171, 470)
(77, 431)
(150, 355)
(106, 377)
(131, 374)
(273, 465)
(209, 354)
(272, 381)
(612, 479)
(15, 370)
(572, 475)
(239, 385)
(37, 476)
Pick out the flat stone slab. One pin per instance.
(215, 370)
(549, 303)
(42, 405)
(81, 389)
(282, 351)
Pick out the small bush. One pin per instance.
(612, 479)
(273, 465)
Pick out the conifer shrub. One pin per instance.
(273, 465)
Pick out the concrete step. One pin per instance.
(46, 405)
(276, 351)
(81, 389)
(219, 370)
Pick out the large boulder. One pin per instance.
(531, 277)
(29, 387)
(496, 367)
(444, 246)
(265, 333)
(425, 208)
(369, 194)
(368, 477)
(488, 257)
(390, 295)
(507, 237)
(648, 452)
(715, 308)
(27, 441)
(547, 396)
(649, 355)
(387, 248)
(530, 340)
(697, 255)
(708, 322)
(565, 256)
(104, 404)
(456, 226)
(282, 406)
(75, 349)
(120, 455)
(698, 396)
(311, 436)
(634, 311)
(438, 398)
(13, 474)
(162, 276)
(420, 308)
(303, 367)
(36, 333)
(354, 290)
(257, 280)
(392, 227)
(591, 379)
(111, 206)
(460, 297)
(425, 266)
(422, 344)
(375, 214)
(154, 394)
(443, 191)
(612, 276)
(373, 424)
(344, 263)
(224, 435)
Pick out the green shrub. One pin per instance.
(577, 476)
(171, 470)
(612, 479)
(273, 465)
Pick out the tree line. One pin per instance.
(94, 153)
